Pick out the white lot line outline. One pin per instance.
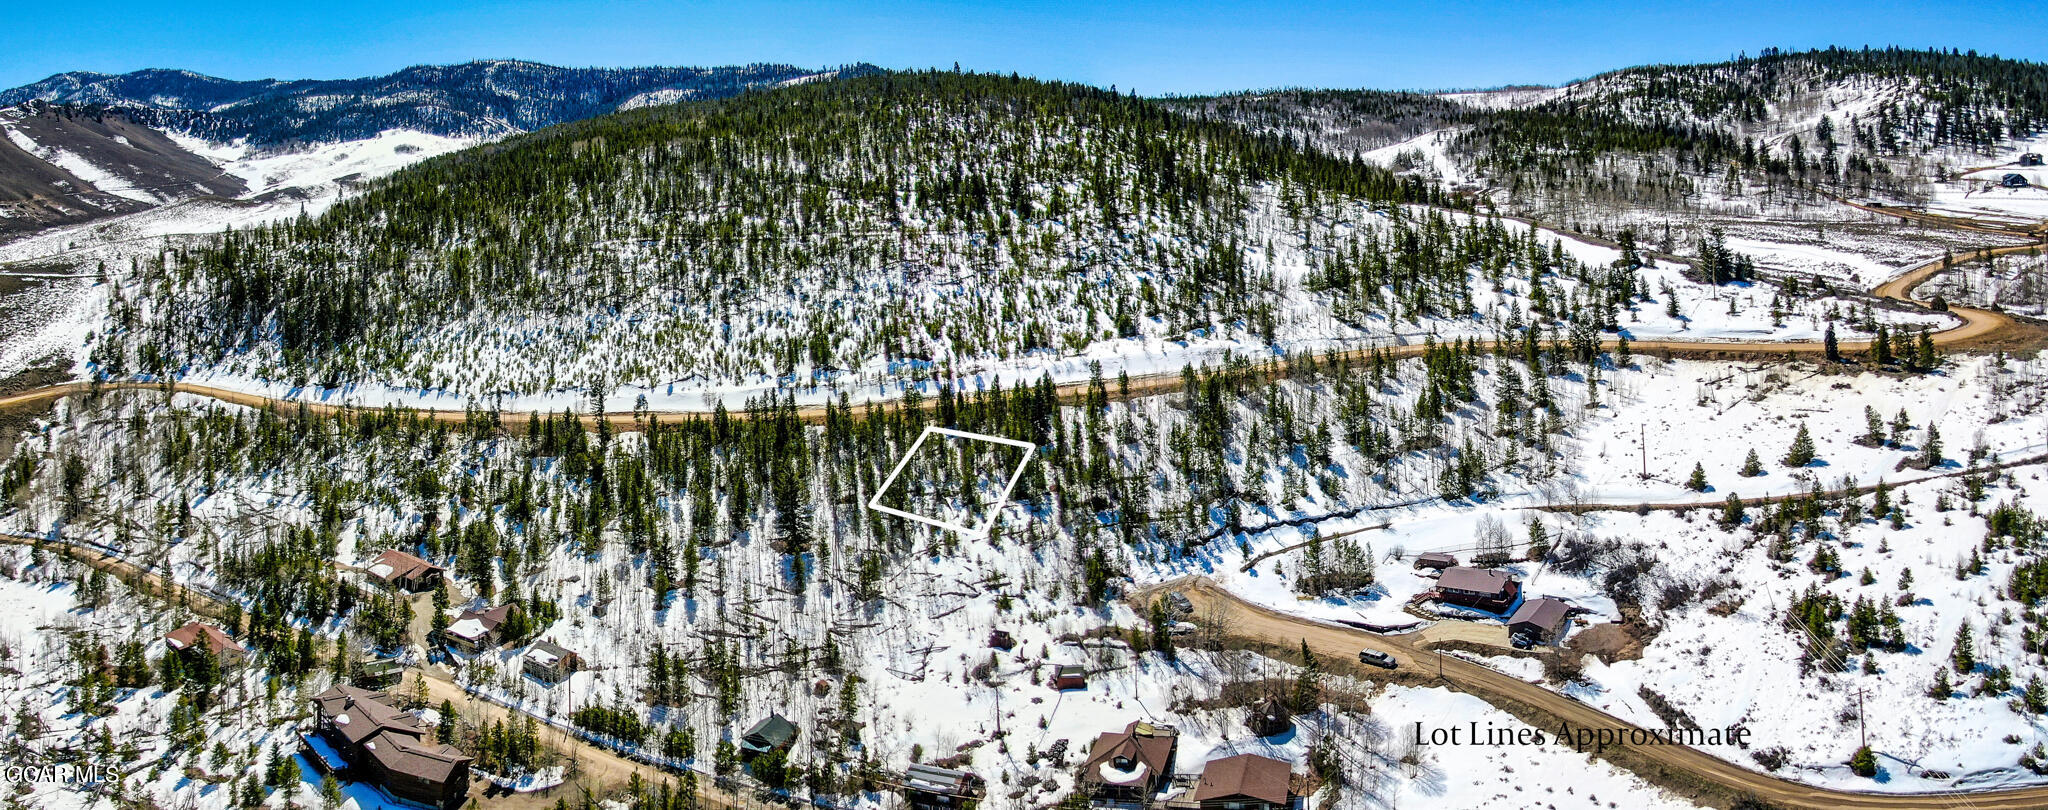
(875, 502)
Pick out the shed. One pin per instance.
(2014, 180)
(1541, 618)
(1269, 717)
(1001, 640)
(1436, 560)
(1070, 676)
(2030, 159)
(929, 787)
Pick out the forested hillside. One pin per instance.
(1695, 137)
(856, 224)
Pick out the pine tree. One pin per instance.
(1924, 357)
(1863, 762)
(1698, 481)
(1964, 658)
(1731, 511)
(1752, 466)
(1942, 689)
(1930, 452)
(1801, 453)
(1834, 347)
(2036, 695)
(1308, 690)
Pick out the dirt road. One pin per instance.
(1978, 329)
(1676, 767)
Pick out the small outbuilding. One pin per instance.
(929, 787)
(1269, 717)
(1001, 640)
(1435, 560)
(2014, 180)
(1541, 618)
(1070, 676)
(2030, 159)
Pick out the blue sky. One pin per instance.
(1154, 47)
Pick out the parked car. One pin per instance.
(1376, 658)
(1179, 603)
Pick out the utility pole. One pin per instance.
(1862, 725)
(1643, 443)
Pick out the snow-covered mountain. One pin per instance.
(84, 145)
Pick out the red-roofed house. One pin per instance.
(206, 638)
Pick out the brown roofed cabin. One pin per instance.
(365, 739)
(549, 662)
(1542, 619)
(1435, 560)
(929, 787)
(1478, 588)
(404, 571)
(1245, 782)
(200, 637)
(1131, 765)
(1069, 676)
(477, 630)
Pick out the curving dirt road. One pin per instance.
(1672, 765)
(1978, 329)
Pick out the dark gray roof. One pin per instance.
(774, 731)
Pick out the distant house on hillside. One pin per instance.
(2030, 159)
(1541, 619)
(1245, 782)
(1131, 765)
(404, 571)
(549, 662)
(477, 630)
(929, 787)
(200, 637)
(2014, 180)
(1480, 588)
(773, 733)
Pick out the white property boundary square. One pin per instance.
(982, 530)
